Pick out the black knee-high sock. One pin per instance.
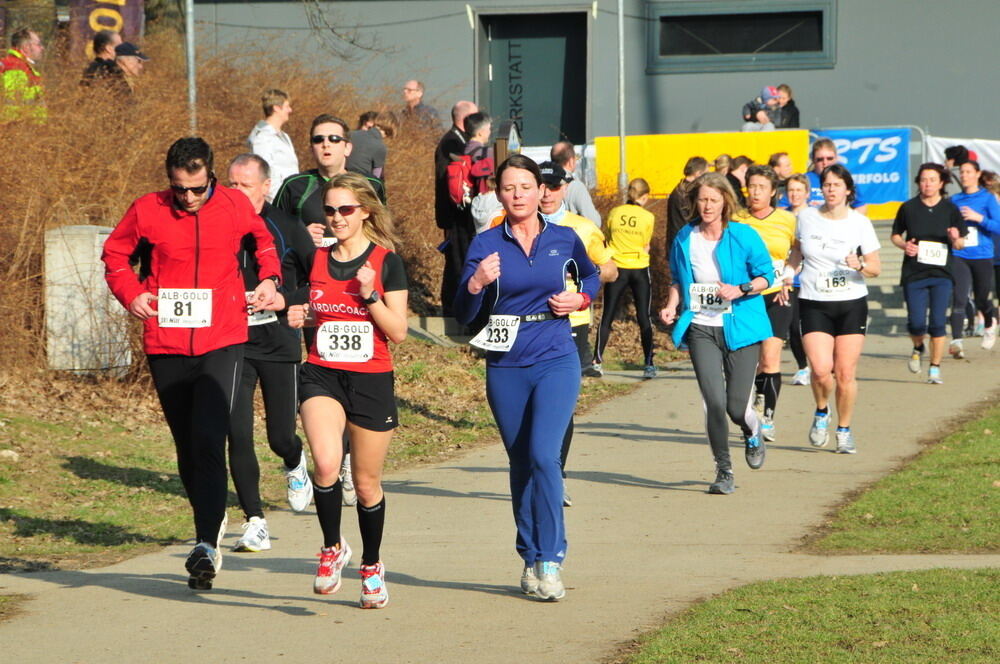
(758, 383)
(327, 500)
(372, 522)
(772, 388)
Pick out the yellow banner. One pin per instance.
(660, 158)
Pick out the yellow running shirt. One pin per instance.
(778, 231)
(592, 240)
(629, 229)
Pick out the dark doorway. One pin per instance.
(537, 74)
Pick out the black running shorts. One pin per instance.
(834, 318)
(368, 399)
(780, 315)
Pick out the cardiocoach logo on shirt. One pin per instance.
(315, 294)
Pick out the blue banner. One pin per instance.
(879, 160)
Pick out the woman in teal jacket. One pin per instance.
(720, 267)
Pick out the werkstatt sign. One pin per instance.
(87, 17)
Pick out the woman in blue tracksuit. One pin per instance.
(518, 272)
(720, 267)
(973, 267)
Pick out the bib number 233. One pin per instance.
(341, 341)
(499, 334)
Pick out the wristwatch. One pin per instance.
(275, 278)
(373, 298)
(746, 288)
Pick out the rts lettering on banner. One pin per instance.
(878, 159)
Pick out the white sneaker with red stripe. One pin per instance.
(332, 562)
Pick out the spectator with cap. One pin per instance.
(578, 200)
(130, 60)
(103, 65)
(269, 142)
(415, 110)
(762, 113)
(21, 81)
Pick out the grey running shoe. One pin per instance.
(845, 442)
(724, 483)
(594, 371)
(202, 564)
(754, 452)
(300, 488)
(914, 363)
(819, 433)
(649, 372)
(767, 428)
(529, 581)
(255, 537)
(934, 375)
(550, 585)
(347, 482)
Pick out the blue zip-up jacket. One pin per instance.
(742, 256)
(525, 285)
(985, 203)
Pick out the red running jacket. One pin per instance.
(183, 250)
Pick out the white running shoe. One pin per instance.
(989, 337)
(255, 537)
(758, 404)
(819, 432)
(300, 488)
(802, 377)
(332, 562)
(550, 584)
(914, 362)
(956, 349)
(934, 375)
(350, 498)
(845, 442)
(529, 581)
(767, 428)
(374, 592)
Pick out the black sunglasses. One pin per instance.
(333, 138)
(344, 210)
(198, 191)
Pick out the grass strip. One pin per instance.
(899, 617)
(946, 500)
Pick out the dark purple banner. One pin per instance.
(86, 17)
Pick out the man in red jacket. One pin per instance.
(189, 293)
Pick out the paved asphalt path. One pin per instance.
(645, 542)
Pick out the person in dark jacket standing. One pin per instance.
(788, 116)
(271, 357)
(679, 210)
(456, 223)
(190, 296)
(103, 64)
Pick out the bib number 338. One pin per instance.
(343, 341)
(705, 298)
(499, 334)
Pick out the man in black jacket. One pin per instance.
(679, 211)
(103, 64)
(455, 222)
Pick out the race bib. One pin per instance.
(261, 317)
(705, 298)
(327, 242)
(499, 334)
(932, 253)
(832, 282)
(184, 307)
(345, 341)
(972, 239)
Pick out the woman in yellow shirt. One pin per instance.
(777, 229)
(629, 229)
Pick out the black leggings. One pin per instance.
(977, 274)
(279, 385)
(196, 393)
(638, 281)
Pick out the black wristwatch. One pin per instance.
(746, 288)
(275, 278)
(372, 299)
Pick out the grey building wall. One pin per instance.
(915, 62)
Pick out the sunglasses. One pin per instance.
(344, 210)
(333, 138)
(198, 191)
(824, 159)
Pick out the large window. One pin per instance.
(690, 36)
